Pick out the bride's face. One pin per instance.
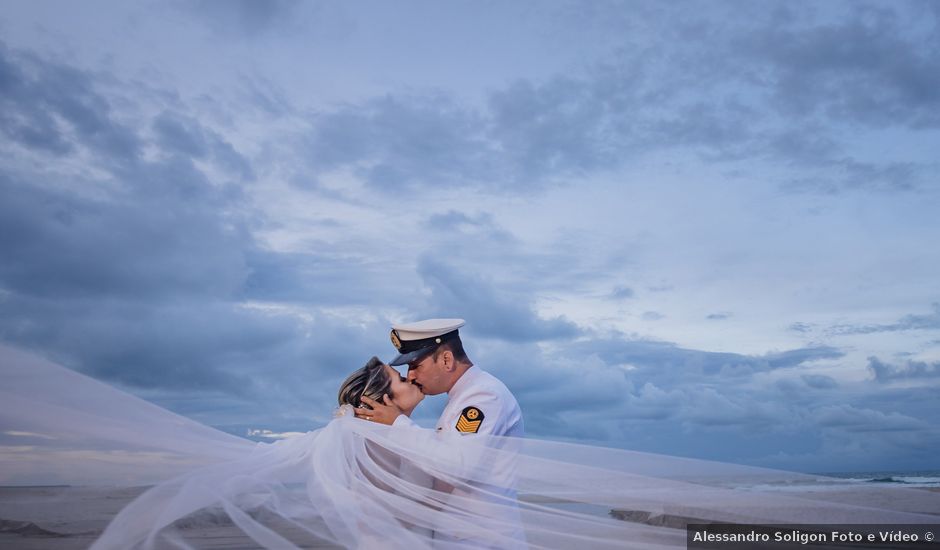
(404, 394)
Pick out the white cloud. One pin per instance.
(268, 434)
(16, 433)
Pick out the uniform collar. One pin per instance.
(464, 382)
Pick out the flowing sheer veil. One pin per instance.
(354, 484)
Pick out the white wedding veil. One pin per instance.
(354, 484)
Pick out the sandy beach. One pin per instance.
(71, 518)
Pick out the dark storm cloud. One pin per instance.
(146, 294)
(184, 346)
(147, 228)
(175, 232)
(130, 289)
(930, 321)
(135, 270)
(58, 244)
(264, 364)
(643, 383)
(649, 395)
(910, 370)
(54, 108)
(45, 106)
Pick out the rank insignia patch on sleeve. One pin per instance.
(470, 420)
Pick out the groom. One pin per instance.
(477, 402)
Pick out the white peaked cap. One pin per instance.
(415, 340)
(429, 328)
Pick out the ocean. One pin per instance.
(926, 479)
(923, 478)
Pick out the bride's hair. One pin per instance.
(371, 381)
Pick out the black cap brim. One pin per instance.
(405, 358)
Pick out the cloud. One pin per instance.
(325, 274)
(930, 321)
(51, 108)
(14, 433)
(398, 142)
(141, 268)
(661, 288)
(556, 128)
(819, 381)
(801, 327)
(268, 434)
(651, 402)
(654, 395)
(847, 174)
(867, 67)
(720, 316)
(713, 408)
(651, 360)
(488, 310)
(135, 233)
(60, 244)
(184, 135)
(266, 96)
(853, 419)
(780, 91)
(622, 379)
(243, 17)
(478, 226)
(622, 293)
(910, 370)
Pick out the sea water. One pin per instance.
(837, 480)
(924, 478)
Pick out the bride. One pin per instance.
(356, 484)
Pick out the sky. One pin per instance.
(705, 229)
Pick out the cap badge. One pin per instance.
(470, 420)
(395, 341)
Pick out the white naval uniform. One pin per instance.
(501, 417)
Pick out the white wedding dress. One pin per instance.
(354, 484)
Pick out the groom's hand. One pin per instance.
(382, 413)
